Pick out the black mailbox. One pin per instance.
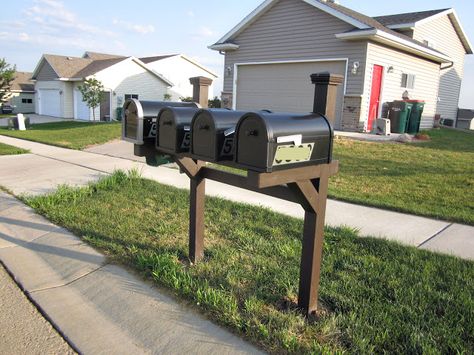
(213, 134)
(275, 141)
(139, 119)
(174, 129)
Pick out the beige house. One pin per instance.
(179, 68)
(22, 93)
(57, 79)
(271, 53)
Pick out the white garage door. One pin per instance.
(49, 102)
(284, 87)
(81, 110)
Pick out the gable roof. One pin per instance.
(409, 17)
(411, 20)
(101, 56)
(75, 68)
(22, 82)
(370, 27)
(156, 58)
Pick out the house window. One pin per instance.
(26, 101)
(131, 96)
(408, 81)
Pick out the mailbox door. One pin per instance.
(167, 132)
(252, 143)
(204, 136)
(132, 123)
(174, 129)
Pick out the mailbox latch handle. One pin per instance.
(253, 132)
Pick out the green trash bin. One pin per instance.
(414, 120)
(398, 115)
(118, 113)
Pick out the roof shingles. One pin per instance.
(22, 82)
(75, 67)
(406, 18)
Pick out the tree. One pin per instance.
(91, 91)
(7, 75)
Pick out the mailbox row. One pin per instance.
(261, 141)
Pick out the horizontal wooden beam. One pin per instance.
(282, 192)
(263, 180)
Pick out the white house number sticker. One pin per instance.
(290, 154)
(152, 132)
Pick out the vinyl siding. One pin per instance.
(441, 32)
(46, 72)
(178, 70)
(21, 107)
(291, 31)
(426, 81)
(127, 77)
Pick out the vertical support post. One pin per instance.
(325, 94)
(311, 255)
(201, 90)
(196, 218)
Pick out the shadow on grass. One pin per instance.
(378, 296)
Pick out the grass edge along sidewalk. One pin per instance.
(70, 134)
(376, 296)
(433, 179)
(6, 149)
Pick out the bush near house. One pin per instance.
(376, 296)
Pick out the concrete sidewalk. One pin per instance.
(99, 307)
(48, 166)
(23, 330)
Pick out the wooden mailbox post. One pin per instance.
(307, 186)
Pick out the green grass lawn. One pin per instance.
(376, 296)
(433, 179)
(6, 149)
(69, 134)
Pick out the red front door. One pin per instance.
(375, 96)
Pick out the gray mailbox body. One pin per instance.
(213, 134)
(139, 119)
(174, 129)
(274, 141)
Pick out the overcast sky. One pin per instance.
(29, 28)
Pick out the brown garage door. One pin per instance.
(283, 87)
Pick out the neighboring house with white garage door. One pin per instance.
(58, 78)
(270, 55)
(179, 68)
(21, 94)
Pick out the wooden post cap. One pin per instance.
(326, 78)
(200, 80)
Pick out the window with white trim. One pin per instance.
(408, 81)
(131, 96)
